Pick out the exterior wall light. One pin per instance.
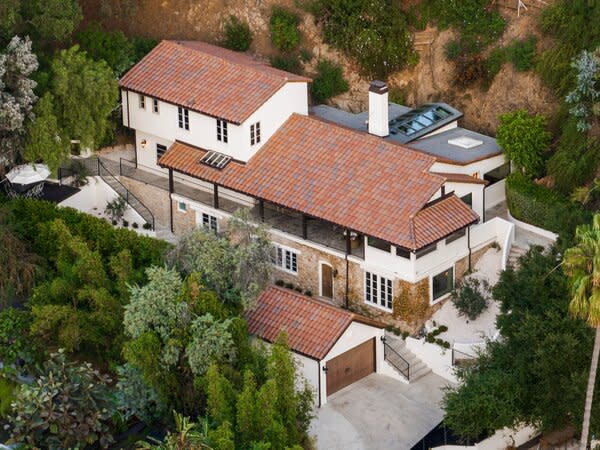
(325, 369)
(143, 143)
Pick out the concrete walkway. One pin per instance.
(379, 412)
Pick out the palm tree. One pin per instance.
(187, 436)
(582, 264)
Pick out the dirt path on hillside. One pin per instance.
(430, 80)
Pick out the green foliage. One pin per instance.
(543, 207)
(45, 138)
(585, 98)
(116, 208)
(452, 50)
(135, 398)
(187, 435)
(53, 20)
(10, 17)
(236, 265)
(111, 46)
(522, 53)
(289, 62)
(284, 29)
(211, 341)
(493, 64)
(470, 297)
(219, 397)
(517, 379)
(329, 81)
(524, 139)
(85, 93)
(373, 32)
(15, 341)
(68, 406)
(576, 158)
(237, 34)
(7, 396)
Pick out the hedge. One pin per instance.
(543, 207)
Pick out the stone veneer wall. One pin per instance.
(154, 198)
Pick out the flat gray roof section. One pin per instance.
(438, 146)
(355, 121)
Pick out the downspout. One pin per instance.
(171, 198)
(128, 122)
(469, 244)
(348, 250)
(319, 378)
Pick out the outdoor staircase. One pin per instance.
(515, 253)
(403, 360)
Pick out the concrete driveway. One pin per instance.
(379, 413)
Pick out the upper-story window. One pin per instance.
(222, 130)
(255, 133)
(378, 243)
(142, 99)
(155, 105)
(425, 250)
(183, 118)
(210, 222)
(402, 252)
(284, 259)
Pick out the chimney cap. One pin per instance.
(378, 87)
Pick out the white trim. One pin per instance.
(285, 248)
(379, 277)
(321, 263)
(179, 208)
(433, 301)
(200, 220)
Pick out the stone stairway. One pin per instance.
(401, 355)
(515, 253)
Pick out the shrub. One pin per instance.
(111, 46)
(289, 285)
(452, 50)
(305, 55)
(284, 29)
(280, 283)
(373, 32)
(543, 207)
(289, 63)
(328, 82)
(493, 64)
(524, 139)
(522, 53)
(398, 94)
(470, 297)
(125, 223)
(237, 34)
(469, 69)
(147, 226)
(116, 208)
(135, 225)
(308, 293)
(7, 396)
(405, 334)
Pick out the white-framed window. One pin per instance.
(160, 150)
(142, 100)
(255, 133)
(222, 130)
(285, 259)
(181, 206)
(155, 105)
(210, 222)
(378, 290)
(183, 118)
(442, 284)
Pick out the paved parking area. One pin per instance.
(379, 413)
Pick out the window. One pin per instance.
(442, 283)
(468, 199)
(210, 222)
(402, 252)
(215, 159)
(255, 133)
(284, 259)
(456, 235)
(378, 243)
(222, 130)
(183, 115)
(378, 290)
(426, 250)
(142, 101)
(160, 150)
(155, 105)
(498, 174)
(181, 206)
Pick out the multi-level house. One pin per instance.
(373, 210)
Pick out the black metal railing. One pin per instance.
(396, 360)
(461, 358)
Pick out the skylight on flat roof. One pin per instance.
(465, 142)
(215, 159)
(422, 120)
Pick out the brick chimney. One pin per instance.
(378, 109)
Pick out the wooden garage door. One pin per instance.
(350, 366)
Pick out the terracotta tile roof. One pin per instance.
(312, 326)
(352, 179)
(460, 178)
(440, 219)
(205, 78)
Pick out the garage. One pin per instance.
(350, 366)
(333, 347)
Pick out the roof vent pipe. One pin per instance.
(378, 109)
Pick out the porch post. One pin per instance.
(171, 198)
(469, 244)
(216, 196)
(304, 227)
(261, 210)
(348, 252)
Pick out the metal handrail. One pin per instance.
(468, 356)
(128, 194)
(387, 347)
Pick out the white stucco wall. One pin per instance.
(476, 190)
(308, 369)
(478, 168)
(292, 97)
(438, 359)
(495, 193)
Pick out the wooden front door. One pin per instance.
(326, 281)
(350, 366)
